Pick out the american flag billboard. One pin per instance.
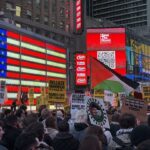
(29, 62)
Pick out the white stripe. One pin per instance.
(32, 83)
(13, 68)
(13, 42)
(35, 60)
(58, 75)
(35, 48)
(25, 82)
(33, 71)
(14, 95)
(51, 63)
(51, 52)
(13, 55)
(32, 59)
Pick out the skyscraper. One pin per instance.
(131, 13)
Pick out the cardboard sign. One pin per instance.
(136, 107)
(56, 91)
(77, 103)
(96, 111)
(31, 96)
(99, 93)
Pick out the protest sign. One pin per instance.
(56, 91)
(31, 96)
(96, 111)
(136, 107)
(2, 91)
(77, 103)
(99, 93)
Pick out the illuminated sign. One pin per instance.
(78, 15)
(81, 69)
(29, 62)
(105, 39)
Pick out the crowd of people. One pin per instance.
(54, 130)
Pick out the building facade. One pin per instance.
(131, 13)
(50, 18)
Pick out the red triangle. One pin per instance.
(98, 73)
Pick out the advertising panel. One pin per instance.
(29, 62)
(105, 39)
(81, 69)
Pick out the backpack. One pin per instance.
(123, 146)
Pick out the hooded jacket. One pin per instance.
(65, 141)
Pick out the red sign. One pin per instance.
(81, 69)
(78, 15)
(105, 39)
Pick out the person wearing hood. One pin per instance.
(64, 140)
(80, 124)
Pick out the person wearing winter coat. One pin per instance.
(1, 135)
(127, 123)
(64, 140)
(80, 125)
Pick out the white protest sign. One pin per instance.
(96, 111)
(77, 103)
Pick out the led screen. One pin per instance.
(29, 62)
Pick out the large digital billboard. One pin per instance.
(29, 62)
(105, 39)
(108, 45)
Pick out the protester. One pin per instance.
(1, 135)
(140, 134)
(145, 145)
(12, 131)
(97, 131)
(51, 127)
(26, 141)
(81, 123)
(114, 125)
(148, 120)
(64, 140)
(127, 123)
(60, 116)
(90, 142)
(37, 129)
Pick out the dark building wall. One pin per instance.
(131, 13)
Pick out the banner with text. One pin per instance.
(56, 91)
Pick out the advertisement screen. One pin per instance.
(105, 39)
(114, 59)
(29, 62)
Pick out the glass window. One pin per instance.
(18, 11)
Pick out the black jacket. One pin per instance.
(65, 141)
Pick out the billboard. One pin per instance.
(29, 62)
(105, 39)
(114, 59)
(81, 69)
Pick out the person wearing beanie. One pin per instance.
(80, 124)
(140, 134)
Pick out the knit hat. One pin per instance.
(140, 134)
